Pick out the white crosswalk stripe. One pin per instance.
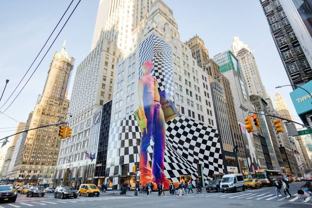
(40, 203)
(239, 196)
(263, 197)
(247, 196)
(49, 202)
(307, 199)
(62, 202)
(13, 205)
(281, 199)
(294, 199)
(256, 195)
(28, 205)
(273, 197)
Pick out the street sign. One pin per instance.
(304, 132)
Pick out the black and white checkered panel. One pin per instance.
(126, 143)
(198, 143)
(187, 144)
(155, 49)
(113, 158)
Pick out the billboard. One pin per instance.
(302, 98)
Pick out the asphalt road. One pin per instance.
(259, 198)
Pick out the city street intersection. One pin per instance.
(264, 197)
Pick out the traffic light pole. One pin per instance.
(39, 127)
(285, 119)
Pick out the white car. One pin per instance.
(232, 182)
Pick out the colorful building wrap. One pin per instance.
(152, 124)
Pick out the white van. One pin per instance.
(232, 182)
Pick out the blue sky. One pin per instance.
(26, 24)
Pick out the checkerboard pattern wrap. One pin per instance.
(155, 49)
(188, 143)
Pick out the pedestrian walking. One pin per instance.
(171, 188)
(148, 188)
(137, 188)
(305, 191)
(160, 189)
(190, 187)
(286, 186)
(181, 188)
(278, 186)
(198, 186)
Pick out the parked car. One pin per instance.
(63, 192)
(8, 193)
(35, 191)
(232, 182)
(213, 185)
(89, 190)
(252, 183)
(24, 189)
(265, 182)
(49, 190)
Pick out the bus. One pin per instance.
(267, 177)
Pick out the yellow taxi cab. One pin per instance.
(24, 189)
(252, 183)
(88, 190)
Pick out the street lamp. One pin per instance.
(294, 86)
(6, 83)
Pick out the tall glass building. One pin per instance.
(288, 38)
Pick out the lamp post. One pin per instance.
(295, 86)
(6, 83)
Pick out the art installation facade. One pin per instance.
(189, 141)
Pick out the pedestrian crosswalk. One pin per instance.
(265, 196)
(56, 202)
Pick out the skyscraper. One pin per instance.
(281, 106)
(230, 133)
(6, 167)
(288, 45)
(123, 21)
(248, 67)
(181, 82)
(92, 88)
(41, 147)
(299, 14)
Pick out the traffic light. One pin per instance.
(134, 168)
(62, 132)
(248, 124)
(256, 120)
(278, 126)
(68, 131)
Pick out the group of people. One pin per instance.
(184, 187)
(282, 184)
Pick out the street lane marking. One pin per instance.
(39, 203)
(242, 195)
(307, 199)
(263, 197)
(49, 202)
(281, 199)
(62, 202)
(23, 203)
(294, 199)
(257, 195)
(225, 195)
(268, 199)
(13, 205)
(251, 196)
